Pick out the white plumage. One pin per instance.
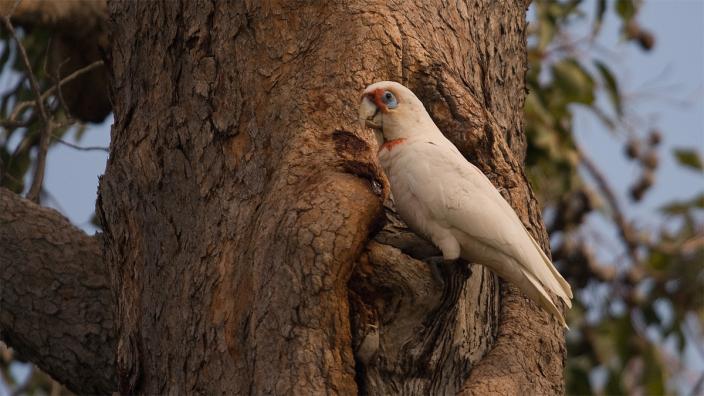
(446, 199)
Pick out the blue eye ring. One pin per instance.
(390, 100)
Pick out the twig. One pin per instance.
(9, 124)
(624, 228)
(60, 93)
(35, 189)
(82, 148)
(11, 178)
(685, 247)
(22, 106)
(71, 77)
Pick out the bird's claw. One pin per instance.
(438, 267)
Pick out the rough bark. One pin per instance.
(239, 178)
(224, 183)
(55, 305)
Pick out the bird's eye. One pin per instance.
(390, 100)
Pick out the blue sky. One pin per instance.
(665, 89)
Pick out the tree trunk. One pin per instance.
(249, 244)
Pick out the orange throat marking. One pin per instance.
(391, 144)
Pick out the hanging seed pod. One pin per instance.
(646, 40)
(647, 179)
(637, 192)
(645, 182)
(633, 149)
(654, 138)
(650, 160)
(632, 29)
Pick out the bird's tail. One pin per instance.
(535, 290)
(535, 284)
(557, 284)
(511, 270)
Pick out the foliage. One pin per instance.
(20, 121)
(626, 307)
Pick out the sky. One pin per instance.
(665, 89)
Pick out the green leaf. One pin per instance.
(679, 335)
(599, 17)
(546, 31)
(6, 50)
(536, 110)
(626, 9)
(611, 86)
(683, 207)
(689, 158)
(15, 168)
(654, 373)
(79, 131)
(574, 82)
(698, 201)
(562, 10)
(659, 261)
(578, 381)
(613, 384)
(649, 315)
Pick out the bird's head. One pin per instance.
(392, 110)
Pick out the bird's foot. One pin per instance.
(439, 268)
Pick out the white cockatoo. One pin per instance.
(449, 201)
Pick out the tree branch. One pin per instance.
(55, 304)
(79, 30)
(82, 17)
(80, 148)
(38, 178)
(56, 89)
(624, 228)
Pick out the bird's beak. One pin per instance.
(369, 114)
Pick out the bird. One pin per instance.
(447, 200)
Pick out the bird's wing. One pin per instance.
(459, 195)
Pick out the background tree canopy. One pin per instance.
(639, 306)
(632, 305)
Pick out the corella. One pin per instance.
(446, 199)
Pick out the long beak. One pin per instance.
(369, 114)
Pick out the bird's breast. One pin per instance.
(399, 165)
